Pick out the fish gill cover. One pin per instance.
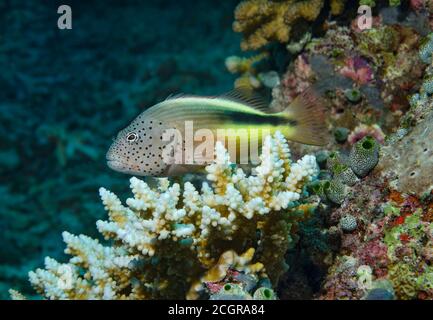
(348, 220)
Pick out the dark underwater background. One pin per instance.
(64, 94)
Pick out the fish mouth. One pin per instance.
(115, 162)
(118, 166)
(121, 167)
(115, 165)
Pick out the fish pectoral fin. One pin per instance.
(307, 117)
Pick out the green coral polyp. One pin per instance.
(264, 293)
(318, 187)
(353, 95)
(231, 288)
(231, 291)
(364, 156)
(335, 190)
(347, 176)
(368, 143)
(341, 172)
(333, 160)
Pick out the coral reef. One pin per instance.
(249, 71)
(335, 191)
(168, 242)
(345, 171)
(408, 162)
(408, 156)
(365, 78)
(383, 239)
(392, 237)
(264, 21)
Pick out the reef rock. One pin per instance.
(408, 163)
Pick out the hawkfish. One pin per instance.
(142, 147)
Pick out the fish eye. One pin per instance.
(131, 137)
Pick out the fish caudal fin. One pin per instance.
(308, 111)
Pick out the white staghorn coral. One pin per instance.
(168, 240)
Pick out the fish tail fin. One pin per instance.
(309, 115)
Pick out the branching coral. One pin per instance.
(249, 77)
(169, 241)
(263, 21)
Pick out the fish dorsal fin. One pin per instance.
(247, 96)
(177, 95)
